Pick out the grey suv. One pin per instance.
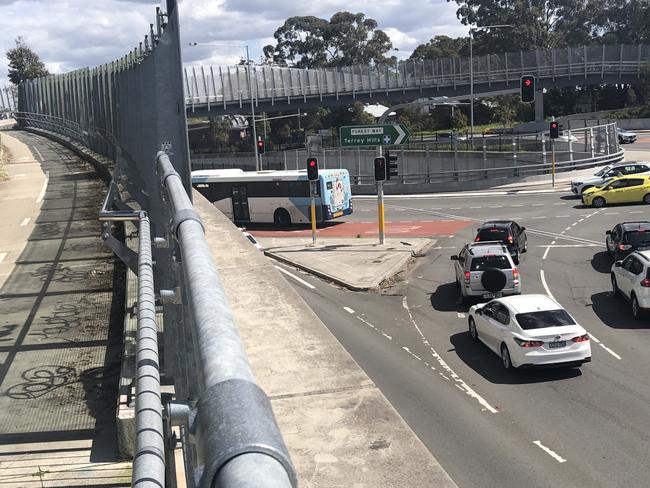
(486, 270)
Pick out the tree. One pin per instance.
(442, 47)
(346, 39)
(24, 63)
(458, 120)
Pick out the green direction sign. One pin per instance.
(373, 135)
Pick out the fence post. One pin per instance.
(427, 156)
(591, 140)
(455, 142)
(544, 161)
(607, 138)
(284, 153)
(570, 145)
(514, 157)
(358, 166)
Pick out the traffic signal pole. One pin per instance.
(553, 163)
(312, 191)
(380, 205)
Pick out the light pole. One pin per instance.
(471, 72)
(250, 91)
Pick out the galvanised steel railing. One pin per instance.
(226, 90)
(127, 112)
(8, 102)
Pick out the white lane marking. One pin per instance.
(3, 255)
(581, 220)
(559, 203)
(411, 353)
(568, 228)
(609, 351)
(390, 338)
(460, 315)
(41, 195)
(550, 452)
(459, 382)
(538, 205)
(548, 248)
(562, 216)
(455, 208)
(637, 211)
(433, 196)
(475, 207)
(612, 213)
(572, 245)
(39, 154)
(593, 338)
(299, 280)
(548, 291)
(441, 247)
(518, 205)
(25, 221)
(367, 323)
(348, 310)
(539, 217)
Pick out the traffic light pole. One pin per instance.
(553, 163)
(312, 192)
(380, 205)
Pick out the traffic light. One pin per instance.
(392, 165)
(528, 88)
(554, 130)
(260, 146)
(312, 169)
(380, 169)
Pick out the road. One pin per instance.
(489, 428)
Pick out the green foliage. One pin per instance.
(24, 63)
(458, 121)
(346, 39)
(505, 109)
(442, 47)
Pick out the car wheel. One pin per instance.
(598, 202)
(615, 290)
(620, 140)
(282, 218)
(525, 246)
(505, 358)
(646, 199)
(473, 333)
(636, 310)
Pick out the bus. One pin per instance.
(280, 197)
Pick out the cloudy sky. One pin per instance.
(70, 34)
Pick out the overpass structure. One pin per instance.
(225, 90)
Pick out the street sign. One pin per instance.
(373, 135)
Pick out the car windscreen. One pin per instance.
(493, 234)
(603, 171)
(605, 183)
(543, 319)
(637, 237)
(481, 263)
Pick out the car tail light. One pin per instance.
(510, 240)
(478, 238)
(515, 275)
(523, 343)
(582, 338)
(624, 247)
(645, 283)
(467, 276)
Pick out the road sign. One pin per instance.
(373, 135)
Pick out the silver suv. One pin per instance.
(622, 169)
(486, 270)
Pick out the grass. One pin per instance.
(4, 156)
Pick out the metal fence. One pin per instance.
(480, 158)
(215, 88)
(8, 100)
(128, 112)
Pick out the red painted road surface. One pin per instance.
(410, 228)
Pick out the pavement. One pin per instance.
(60, 324)
(339, 427)
(357, 264)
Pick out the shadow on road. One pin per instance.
(486, 363)
(447, 299)
(602, 262)
(615, 312)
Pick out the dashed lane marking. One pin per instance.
(612, 213)
(458, 381)
(3, 255)
(25, 221)
(550, 452)
(349, 310)
(41, 195)
(570, 245)
(562, 216)
(637, 212)
(299, 280)
(460, 315)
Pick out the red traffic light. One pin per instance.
(527, 81)
(553, 125)
(260, 146)
(312, 163)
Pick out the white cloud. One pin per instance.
(75, 33)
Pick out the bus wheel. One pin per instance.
(282, 218)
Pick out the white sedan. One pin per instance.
(529, 330)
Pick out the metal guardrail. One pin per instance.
(217, 89)
(126, 112)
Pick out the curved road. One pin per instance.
(487, 427)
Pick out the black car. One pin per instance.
(628, 237)
(508, 232)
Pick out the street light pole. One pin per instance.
(250, 91)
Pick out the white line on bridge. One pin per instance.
(25, 221)
(41, 195)
(299, 280)
(3, 255)
(550, 452)
(349, 310)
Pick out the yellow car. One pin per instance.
(622, 189)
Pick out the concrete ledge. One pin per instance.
(339, 428)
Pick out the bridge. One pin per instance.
(225, 90)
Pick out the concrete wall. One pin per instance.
(634, 124)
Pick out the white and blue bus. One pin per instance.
(281, 197)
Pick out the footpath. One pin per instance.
(59, 357)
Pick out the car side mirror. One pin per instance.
(618, 264)
(453, 258)
(609, 232)
(479, 311)
(523, 228)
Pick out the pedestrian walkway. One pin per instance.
(60, 333)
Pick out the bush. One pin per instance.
(458, 121)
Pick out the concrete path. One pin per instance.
(59, 358)
(357, 264)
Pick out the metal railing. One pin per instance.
(216, 89)
(488, 157)
(126, 113)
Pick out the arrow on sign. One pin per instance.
(401, 134)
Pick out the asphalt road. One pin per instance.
(572, 428)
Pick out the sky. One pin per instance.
(70, 34)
